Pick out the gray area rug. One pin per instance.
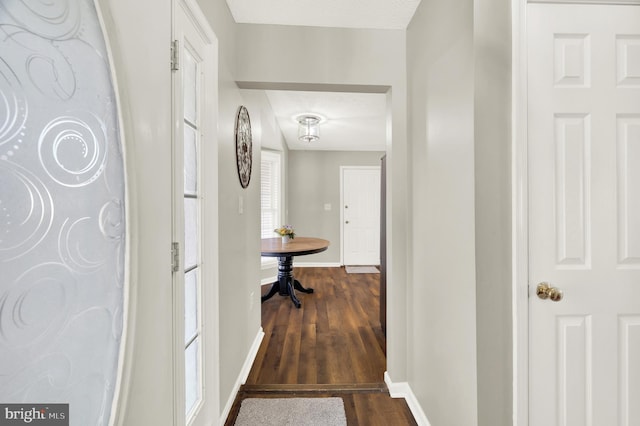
(291, 411)
(362, 270)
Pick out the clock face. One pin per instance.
(244, 146)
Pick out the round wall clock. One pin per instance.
(244, 146)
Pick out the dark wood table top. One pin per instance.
(273, 247)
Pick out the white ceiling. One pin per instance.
(380, 14)
(351, 121)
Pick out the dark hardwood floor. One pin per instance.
(332, 346)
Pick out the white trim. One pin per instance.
(242, 377)
(316, 264)
(269, 280)
(396, 390)
(403, 390)
(272, 279)
(268, 263)
(129, 302)
(520, 301)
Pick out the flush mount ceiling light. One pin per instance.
(308, 127)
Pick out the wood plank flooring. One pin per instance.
(332, 346)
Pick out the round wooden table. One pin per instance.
(299, 246)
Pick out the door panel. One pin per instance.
(361, 216)
(584, 213)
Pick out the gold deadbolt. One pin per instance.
(545, 291)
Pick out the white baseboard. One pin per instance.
(244, 373)
(270, 263)
(269, 280)
(403, 390)
(316, 264)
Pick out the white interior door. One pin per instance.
(195, 218)
(584, 213)
(361, 215)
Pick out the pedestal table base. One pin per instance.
(286, 284)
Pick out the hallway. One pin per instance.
(332, 346)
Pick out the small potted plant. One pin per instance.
(286, 232)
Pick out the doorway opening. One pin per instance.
(310, 341)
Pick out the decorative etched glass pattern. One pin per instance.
(62, 211)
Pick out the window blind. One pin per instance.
(270, 193)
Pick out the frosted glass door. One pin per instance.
(62, 210)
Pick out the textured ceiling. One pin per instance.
(380, 14)
(352, 121)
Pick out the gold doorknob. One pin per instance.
(545, 291)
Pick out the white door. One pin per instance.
(584, 214)
(361, 215)
(195, 218)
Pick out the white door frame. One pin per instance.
(208, 411)
(519, 205)
(342, 169)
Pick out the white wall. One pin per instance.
(239, 233)
(267, 135)
(140, 33)
(434, 262)
(365, 60)
(239, 246)
(442, 313)
(459, 83)
(315, 181)
(492, 30)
